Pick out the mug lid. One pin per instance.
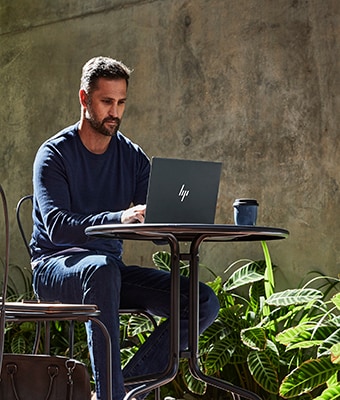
(249, 202)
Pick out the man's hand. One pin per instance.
(134, 214)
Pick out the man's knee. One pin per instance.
(102, 279)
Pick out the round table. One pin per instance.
(194, 234)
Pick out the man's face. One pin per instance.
(104, 107)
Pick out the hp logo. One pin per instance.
(183, 193)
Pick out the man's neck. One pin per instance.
(94, 141)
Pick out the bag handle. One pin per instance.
(11, 371)
(53, 371)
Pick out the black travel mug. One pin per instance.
(245, 211)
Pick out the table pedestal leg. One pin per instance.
(150, 382)
(194, 368)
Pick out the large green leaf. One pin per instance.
(278, 315)
(295, 334)
(245, 275)
(330, 341)
(126, 354)
(336, 300)
(216, 284)
(324, 330)
(162, 260)
(139, 324)
(269, 282)
(263, 370)
(18, 344)
(256, 296)
(233, 318)
(306, 335)
(307, 376)
(331, 393)
(304, 344)
(294, 296)
(255, 338)
(194, 385)
(215, 332)
(220, 355)
(334, 321)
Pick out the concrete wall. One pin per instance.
(253, 83)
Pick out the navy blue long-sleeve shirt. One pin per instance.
(74, 188)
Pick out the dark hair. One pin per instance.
(102, 67)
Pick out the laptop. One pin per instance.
(182, 191)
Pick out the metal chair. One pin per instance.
(44, 312)
(5, 276)
(28, 200)
(23, 233)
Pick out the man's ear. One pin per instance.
(83, 98)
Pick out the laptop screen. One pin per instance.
(182, 191)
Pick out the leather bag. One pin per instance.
(43, 377)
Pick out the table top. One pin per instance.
(187, 232)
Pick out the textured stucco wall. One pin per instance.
(253, 83)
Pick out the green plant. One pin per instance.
(278, 345)
(320, 335)
(134, 329)
(19, 283)
(270, 343)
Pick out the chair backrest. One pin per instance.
(5, 273)
(24, 233)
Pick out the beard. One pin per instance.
(100, 127)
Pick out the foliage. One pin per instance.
(19, 283)
(278, 345)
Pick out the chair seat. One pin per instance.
(33, 310)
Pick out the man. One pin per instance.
(88, 174)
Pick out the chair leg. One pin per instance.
(37, 338)
(47, 337)
(158, 393)
(71, 338)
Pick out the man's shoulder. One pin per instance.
(122, 138)
(67, 133)
(125, 141)
(58, 141)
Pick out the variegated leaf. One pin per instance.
(331, 340)
(307, 376)
(336, 300)
(293, 334)
(294, 296)
(263, 370)
(245, 275)
(331, 393)
(255, 338)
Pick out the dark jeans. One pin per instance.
(88, 277)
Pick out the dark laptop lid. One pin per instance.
(182, 191)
